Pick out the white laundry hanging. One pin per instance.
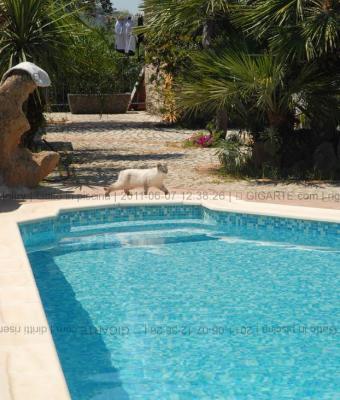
(131, 40)
(120, 37)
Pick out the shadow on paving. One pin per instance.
(12, 199)
(9, 205)
(87, 174)
(105, 126)
(83, 156)
(91, 177)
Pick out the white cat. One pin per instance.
(146, 178)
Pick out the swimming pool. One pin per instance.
(181, 302)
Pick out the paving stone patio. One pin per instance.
(105, 145)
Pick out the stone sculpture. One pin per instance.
(18, 165)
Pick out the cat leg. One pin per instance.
(127, 192)
(146, 189)
(115, 186)
(108, 190)
(163, 189)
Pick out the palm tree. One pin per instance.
(297, 42)
(297, 29)
(186, 15)
(281, 64)
(261, 83)
(175, 28)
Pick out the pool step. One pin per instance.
(136, 226)
(79, 244)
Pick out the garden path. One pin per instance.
(104, 145)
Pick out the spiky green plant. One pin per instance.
(97, 68)
(234, 79)
(39, 31)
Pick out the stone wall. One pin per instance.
(154, 98)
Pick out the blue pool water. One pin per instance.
(191, 307)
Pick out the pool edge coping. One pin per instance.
(46, 367)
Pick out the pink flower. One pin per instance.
(204, 141)
(201, 140)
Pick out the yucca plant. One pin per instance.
(39, 31)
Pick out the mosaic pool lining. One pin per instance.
(47, 230)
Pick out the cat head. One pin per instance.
(163, 168)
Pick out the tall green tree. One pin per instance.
(174, 29)
(301, 33)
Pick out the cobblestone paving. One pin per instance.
(103, 146)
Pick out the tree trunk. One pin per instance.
(207, 34)
(222, 121)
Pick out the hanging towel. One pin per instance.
(120, 31)
(131, 40)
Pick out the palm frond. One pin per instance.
(260, 83)
(294, 28)
(234, 76)
(186, 15)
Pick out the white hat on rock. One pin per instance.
(38, 75)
